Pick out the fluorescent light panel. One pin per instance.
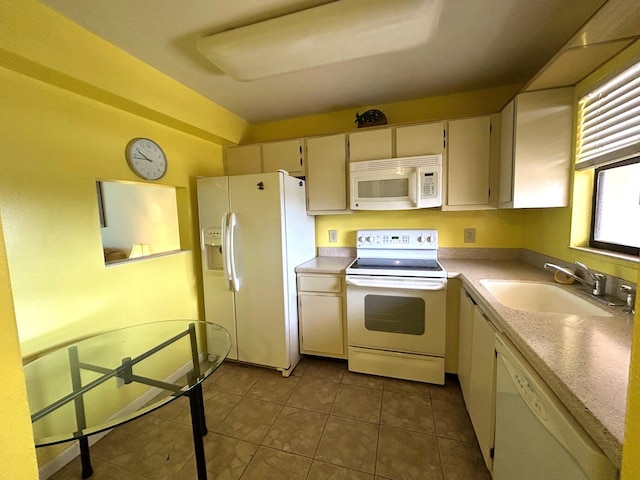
(332, 33)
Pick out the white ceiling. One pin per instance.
(478, 44)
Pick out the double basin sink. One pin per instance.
(541, 297)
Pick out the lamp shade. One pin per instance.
(332, 33)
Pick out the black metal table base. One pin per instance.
(87, 469)
(198, 425)
(196, 402)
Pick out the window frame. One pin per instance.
(593, 243)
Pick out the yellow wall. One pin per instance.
(36, 41)
(631, 448)
(69, 103)
(443, 107)
(17, 457)
(494, 229)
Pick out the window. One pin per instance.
(609, 143)
(615, 217)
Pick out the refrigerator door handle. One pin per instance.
(226, 242)
(233, 277)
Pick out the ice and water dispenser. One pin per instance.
(212, 241)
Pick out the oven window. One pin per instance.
(397, 187)
(384, 313)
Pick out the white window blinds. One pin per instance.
(609, 121)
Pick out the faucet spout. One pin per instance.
(598, 285)
(567, 272)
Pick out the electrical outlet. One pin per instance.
(469, 235)
(333, 236)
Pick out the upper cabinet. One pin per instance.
(473, 154)
(286, 155)
(267, 157)
(370, 145)
(398, 142)
(415, 140)
(327, 174)
(535, 159)
(243, 159)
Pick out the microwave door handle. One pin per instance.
(416, 192)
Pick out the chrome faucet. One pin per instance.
(599, 281)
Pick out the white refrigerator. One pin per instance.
(254, 231)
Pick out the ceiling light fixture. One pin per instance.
(331, 33)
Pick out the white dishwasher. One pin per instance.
(536, 438)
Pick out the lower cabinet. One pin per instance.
(476, 372)
(482, 401)
(464, 343)
(321, 313)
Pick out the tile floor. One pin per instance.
(323, 422)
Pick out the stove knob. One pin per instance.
(423, 239)
(369, 239)
(360, 239)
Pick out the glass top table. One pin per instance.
(98, 382)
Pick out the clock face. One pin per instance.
(146, 158)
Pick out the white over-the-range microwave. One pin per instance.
(396, 183)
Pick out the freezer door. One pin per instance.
(260, 302)
(213, 205)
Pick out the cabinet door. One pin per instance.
(506, 154)
(285, 155)
(464, 344)
(469, 161)
(542, 148)
(326, 173)
(370, 145)
(482, 385)
(242, 160)
(321, 326)
(415, 140)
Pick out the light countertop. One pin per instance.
(584, 360)
(322, 264)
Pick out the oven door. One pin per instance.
(398, 314)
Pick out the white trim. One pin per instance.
(607, 253)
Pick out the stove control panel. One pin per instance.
(397, 239)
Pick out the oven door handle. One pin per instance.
(397, 283)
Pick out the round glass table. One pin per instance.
(99, 382)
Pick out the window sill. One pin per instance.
(608, 254)
(145, 257)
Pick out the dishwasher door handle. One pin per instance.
(396, 283)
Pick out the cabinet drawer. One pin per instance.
(321, 283)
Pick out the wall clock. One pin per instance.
(146, 158)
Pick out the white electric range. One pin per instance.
(396, 305)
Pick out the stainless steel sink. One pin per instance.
(541, 297)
